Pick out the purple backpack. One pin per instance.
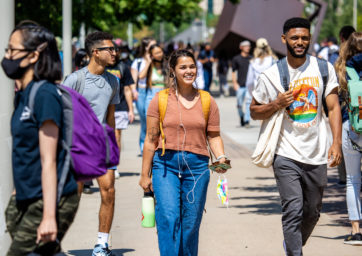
(91, 146)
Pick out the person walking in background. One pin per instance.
(101, 89)
(179, 168)
(263, 59)
(344, 34)
(351, 56)
(81, 59)
(240, 66)
(124, 110)
(199, 81)
(222, 71)
(301, 153)
(35, 220)
(330, 48)
(207, 58)
(139, 70)
(156, 73)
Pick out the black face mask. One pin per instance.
(12, 67)
(158, 61)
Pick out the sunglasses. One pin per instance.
(109, 49)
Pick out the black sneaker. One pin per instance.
(341, 184)
(355, 239)
(87, 189)
(242, 121)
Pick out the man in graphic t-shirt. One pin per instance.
(300, 162)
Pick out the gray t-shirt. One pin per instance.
(99, 90)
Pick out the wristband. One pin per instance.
(222, 156)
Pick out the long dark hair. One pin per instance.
(37, 38)
(150, 68)
(173, 62)
(144, 43)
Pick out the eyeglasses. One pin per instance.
(109, 49)
(10, 51)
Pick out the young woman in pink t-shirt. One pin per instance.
(181, 175)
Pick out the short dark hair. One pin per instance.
(38, 38)
(332, 39)
(295, 23)
(346, 31)
(94, 39)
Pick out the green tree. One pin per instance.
(339, 13)
(105, 14)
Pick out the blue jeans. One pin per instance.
(180, 196)
(208, 79)
(141, 108)
(352, 160)
(243, 95)
(150, 94)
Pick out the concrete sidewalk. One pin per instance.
(250, 226)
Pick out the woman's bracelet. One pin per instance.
(222, 156)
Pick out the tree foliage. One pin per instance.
(105, 14)
(339, 13)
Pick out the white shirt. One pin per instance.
(99, 90)
(303, 135)
(142, 61)
(199, 81)
(256, 67)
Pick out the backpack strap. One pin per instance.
(284, 73)
(323, 69)
(108, 77)
(65, 170)
(352, 73)
(162, 106)
(67, 161)
(205, 102)
(122, 67)
(139, 62)
(33, 91)
(79, 86)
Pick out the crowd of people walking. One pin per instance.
(296, 97)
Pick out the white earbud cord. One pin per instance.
(183, 156)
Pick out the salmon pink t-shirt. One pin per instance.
(193, 121)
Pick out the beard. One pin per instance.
(292, 52)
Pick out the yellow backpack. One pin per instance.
(162, 105)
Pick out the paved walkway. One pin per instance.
(250, 226)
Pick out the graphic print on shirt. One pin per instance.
(303, 111)
(115, 72)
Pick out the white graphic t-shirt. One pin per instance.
(303, 135)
